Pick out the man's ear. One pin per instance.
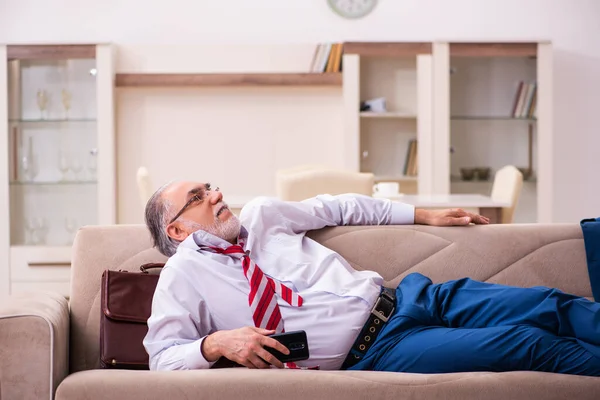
(174, 231)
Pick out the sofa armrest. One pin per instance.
(34, 343)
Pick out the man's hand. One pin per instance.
(245, 346)
(449, 217)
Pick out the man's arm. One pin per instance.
(178, 330)
(346, 209)
(325, 210)
(245, 346)
(177, 326)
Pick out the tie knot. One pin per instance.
(234, 249)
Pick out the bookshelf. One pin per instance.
(460, 102)
(380, 140)
(495, 114)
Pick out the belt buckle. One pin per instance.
(378, 313)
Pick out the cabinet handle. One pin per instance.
(49, 264)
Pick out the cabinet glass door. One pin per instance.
(53, 152)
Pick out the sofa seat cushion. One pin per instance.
(241, 383)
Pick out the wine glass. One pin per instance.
(42, 101)
(63, 165)
(37, 228)
(76, 167)
(25, 166)
(43, 228)
(29, 231)
(29, 166)
(66, 100)
(92, 164)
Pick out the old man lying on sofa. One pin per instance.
(229, 283)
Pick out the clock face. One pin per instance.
(352, 8)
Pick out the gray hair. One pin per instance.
(158, 212)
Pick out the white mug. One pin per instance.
(386, 188)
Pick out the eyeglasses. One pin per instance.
(198, 197)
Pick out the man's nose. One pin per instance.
(216, 196)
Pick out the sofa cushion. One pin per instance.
(347, 385)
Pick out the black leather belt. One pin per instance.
(380, 313)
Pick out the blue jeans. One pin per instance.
(466, 325)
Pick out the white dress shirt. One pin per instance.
(200, 292)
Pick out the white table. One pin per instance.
(487, 206)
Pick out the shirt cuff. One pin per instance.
(402, 214)
(194, 358)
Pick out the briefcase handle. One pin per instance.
(145, 267)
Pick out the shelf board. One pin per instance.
(51, 121)
(51, 52)
(56, 183)
(230, 79)
(474, 182)
(489, 118)
(387, 49)
(524, 49)
(387, 114)
(38, 247)
(458, 179)
(405, 178)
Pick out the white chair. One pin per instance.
(302, 182)
(507, 186)
(144, 185)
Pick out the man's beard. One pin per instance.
(227, 230)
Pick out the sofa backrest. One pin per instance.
(520, 255)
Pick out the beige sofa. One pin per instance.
(36, 331)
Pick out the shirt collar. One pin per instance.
(202, 239)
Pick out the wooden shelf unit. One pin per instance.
(228, 79)
(379, 142)
(482, 86)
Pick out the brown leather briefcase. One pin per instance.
(126, 304)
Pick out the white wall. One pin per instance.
(572, 25)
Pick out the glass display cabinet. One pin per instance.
(58, 169)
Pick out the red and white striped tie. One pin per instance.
(262, 300)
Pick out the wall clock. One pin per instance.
(352, 9)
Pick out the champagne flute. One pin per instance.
(42, 101)
(92, 163)
(63, 165)
(66, 100)
(25, 166)
(43, 228)
(76, 167)
(29, 164)
(29, 231)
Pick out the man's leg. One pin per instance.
(497, 349)
(466, 303)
